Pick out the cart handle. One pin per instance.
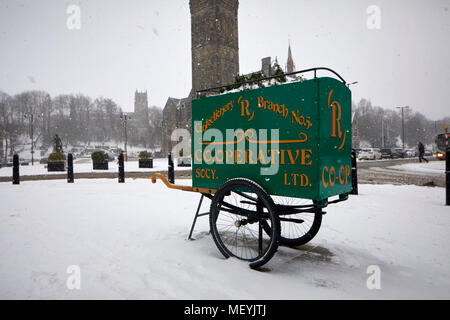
(161, 177)
(277, 76)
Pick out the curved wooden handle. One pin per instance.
(161, 177)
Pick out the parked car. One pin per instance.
(369, 154)
(428, 153)
(43, 160)
(393, 153)
(357, 151)
(184, 161)
(377, 152)
(387, 153)
(9, 161)
(411, 153)
(399, 153)
(116, 151)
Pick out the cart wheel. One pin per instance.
(299, 228)
(240, 211)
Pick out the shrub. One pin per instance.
(99, 157)
(279, 72)
(145, 155)
(57, 156)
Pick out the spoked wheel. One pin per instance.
(297, 228)
(240, 213)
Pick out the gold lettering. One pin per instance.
(290, 156)
(285, 180)
(306, 154)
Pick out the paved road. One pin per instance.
(389, 162)
(378, 172)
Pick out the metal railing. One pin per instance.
(213, 89)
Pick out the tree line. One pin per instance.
(378, 127)
(76, 118)
(81, 120)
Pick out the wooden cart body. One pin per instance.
(293, 139)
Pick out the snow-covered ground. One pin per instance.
(432, 167)
(129, 241)
(85, 165)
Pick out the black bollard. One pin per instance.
(70, 168)
(171, 169)
(121, 168)
(447, 177)
(354, 174)
(16, 175)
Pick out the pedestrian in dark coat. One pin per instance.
(421, 152)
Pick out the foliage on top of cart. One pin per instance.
(257, 80)
(293, 139)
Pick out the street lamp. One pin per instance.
(125, 117)
(403, 125)
(30, 115)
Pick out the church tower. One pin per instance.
(141, 108)
(290, 66)
(215, 47)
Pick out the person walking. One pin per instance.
(421, 152)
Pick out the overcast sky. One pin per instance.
(124, 45)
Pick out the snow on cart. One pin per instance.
(270, 158)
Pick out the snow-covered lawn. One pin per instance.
(432, 167)
(85, 165)
(129, 241)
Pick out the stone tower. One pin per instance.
(140, 119)
(215, 47)
(215, 59)
(141, 109)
